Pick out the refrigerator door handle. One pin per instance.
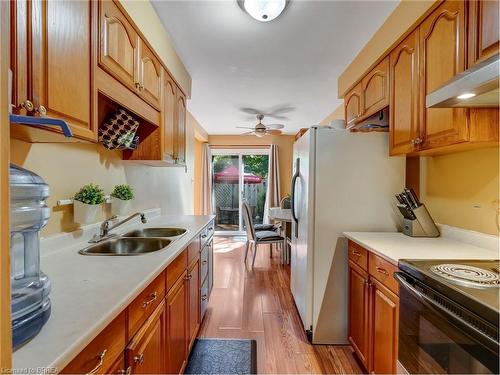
(292, 195)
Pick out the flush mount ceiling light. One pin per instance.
(263, 10)
(466, 95)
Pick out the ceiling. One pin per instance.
(288, 66)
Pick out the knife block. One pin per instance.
(422, 225)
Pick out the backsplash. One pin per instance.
(462, 189)
(68, 166)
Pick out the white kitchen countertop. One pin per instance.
(395, 246)
(88, 292)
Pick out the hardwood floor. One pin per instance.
(257, 304)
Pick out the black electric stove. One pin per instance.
(449, 316)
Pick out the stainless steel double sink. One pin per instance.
(135, 242)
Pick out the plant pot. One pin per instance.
(120, 207)
(84, 213)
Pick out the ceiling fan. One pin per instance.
(261, 130)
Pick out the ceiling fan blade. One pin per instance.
(245, 127)
(273, 132)
(275, 126)
(248, 133)
(251, 111)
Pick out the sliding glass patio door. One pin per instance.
(238, 175)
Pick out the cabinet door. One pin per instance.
(118, 44)
(146, 351)
(442, 57)
(19, 22)
(404, 103)
(61, 78)
(180, 134)
(169, 114)
(118, 368)
(483, 30)
(353, 105)
(375, 88)
(358, 313)
(177, 326)
(150, 76)
(385, 325)
(194, 302)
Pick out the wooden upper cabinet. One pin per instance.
(404, 97)
(483, 30)
(150, 74)
(169, 115)
(118, 45)
(51, 46)
(359, 313)
(442, 57)
(180, 133)
(176, 304)
(146, 351)
(375, 89)
(353, 105)
(385, 325)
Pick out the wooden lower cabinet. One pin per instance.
(156, 331)
(193, 282)
(146, 352)
(177, 322)
(384, 329)
(359, 312)
(118, 368)
(373, 316)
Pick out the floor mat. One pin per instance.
(223, 356)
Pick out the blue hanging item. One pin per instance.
(39, 121)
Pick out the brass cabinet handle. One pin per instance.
(139, 359)
(211, 228)
(41, 110)
(128, 371)
(28, 105)
(204, 297)
(382, 271)
(204, 262)
(100, 357)
(203, 236)
(152, 297)
(137, 85)
(357, 253)
(188, 277)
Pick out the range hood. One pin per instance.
(475, 87)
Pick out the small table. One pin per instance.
(284, 215)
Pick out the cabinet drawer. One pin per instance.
(101, 354)
(142, 307)
(204, 262)
(209, 232)
(204, 298)
(358, 255)
(193, 249)
(383, 271)
(176, 269)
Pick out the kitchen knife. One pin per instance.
(409, 195)
(399, 199)
(406, 200)
(406, 212)
(415, 198)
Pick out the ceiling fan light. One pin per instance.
(264, 10)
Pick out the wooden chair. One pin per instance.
(258, 238)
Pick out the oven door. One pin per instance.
(435, 339)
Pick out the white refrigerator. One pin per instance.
(341, 182)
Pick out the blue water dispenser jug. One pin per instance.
(30, 287)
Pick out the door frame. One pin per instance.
(240, 152)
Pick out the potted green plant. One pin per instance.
(121, 199)
(86, 203)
